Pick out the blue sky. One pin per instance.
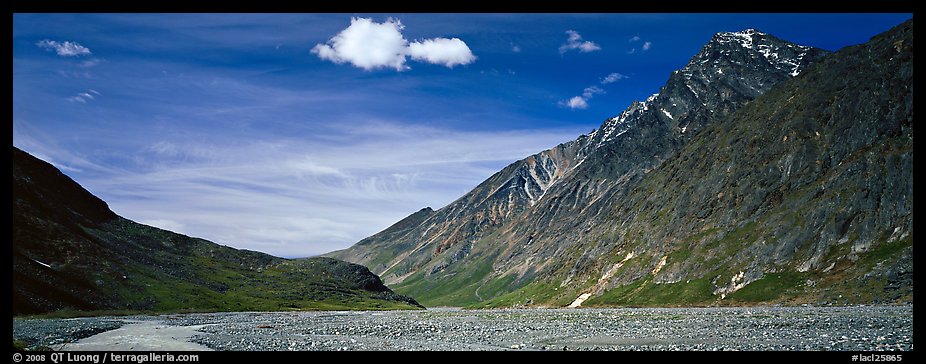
(298, 134)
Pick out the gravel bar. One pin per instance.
(51, 333)
(855, 328)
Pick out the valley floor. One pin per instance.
(853, 328)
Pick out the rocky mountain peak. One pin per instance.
(744, 37)
(513, 211)
(752, 49)
(729, 70)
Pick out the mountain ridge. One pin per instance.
(507, 246)
(522, 184)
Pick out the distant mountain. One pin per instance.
(725, 185)
(71, 252)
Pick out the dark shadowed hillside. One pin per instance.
(71, 252)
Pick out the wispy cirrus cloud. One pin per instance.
(643, 48)
(84, 97)
(64, 49)
(590, 91)
(294, 197)
(612, 78)
(370, 45)
(89, 63)
(575, 42)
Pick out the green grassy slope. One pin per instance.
(72, 254)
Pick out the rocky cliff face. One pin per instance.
(71, 252)
(804, 194)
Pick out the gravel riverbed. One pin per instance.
(50, 333)
(857, 328)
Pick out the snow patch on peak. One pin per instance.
(693, 92)
(649, 101)
(796, 63)
(744, 38)
(785, 56)
(590, 136)
(750, 31)
(767, 52)
(619, 124)
(668, 114)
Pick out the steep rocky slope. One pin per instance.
(71, 252)
(688, 197)
(804, 194)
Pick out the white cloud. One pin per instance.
(575, 42)
(83, 97)
(367, 44)
(577, 102)
(64, 49)
(77, 98)
(612, 78)
(643, 48)
(516, 49)
(443, 51)
(634, 38)
(581, 102)
(370, 45)
(308, 167)
(590, 91)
